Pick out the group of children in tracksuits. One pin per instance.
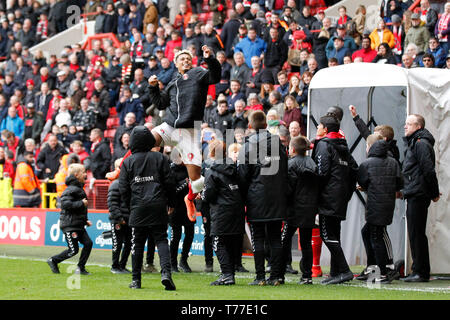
(321, 184)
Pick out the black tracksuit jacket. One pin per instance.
(145, 181)
(73, 211)
(184, 97)
(338, 172)
(303, 192)
(264, 179)
(225, 199)
(381, 177)
(418, 166)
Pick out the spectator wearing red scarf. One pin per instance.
(343, 17)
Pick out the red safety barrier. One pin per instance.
(111, 36)
(98, 195)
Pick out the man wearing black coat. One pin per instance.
(222, 120)
(147, 188)
(337, 170)
(229, 32)
(380, 176)
(276, 53)
(302, 203)
(48, 158)
(263, 168)
(73, 220)
(100, 154)
(420, 187)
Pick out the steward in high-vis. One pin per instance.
(26, 191)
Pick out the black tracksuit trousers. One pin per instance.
(139, 237)
(330, 232)
(306, 262)
(225, 248)
(121, 243)
(273, 231)
(416, 217)
(73, 238)
(208, 241)
(366, 237)
(150, 250)
(175, 241)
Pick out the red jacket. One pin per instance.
(170, 45)
(367, 55)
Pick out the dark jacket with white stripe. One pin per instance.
(263, 173)
(145, 182)
(184, 97)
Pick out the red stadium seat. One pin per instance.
(110, 133)
(112, 122)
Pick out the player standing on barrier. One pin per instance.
(184, 100)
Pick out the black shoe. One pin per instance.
(125, 271)
(135, 284)
(258, 282)
(393, 274)
(305, 281)
(53, 265)
(224, 280)
(183, 265)
(209, 268)
(116, 270)
(341, 278)
(415, 278)
(273, 282)
(364, 275)
(290, 270)
(167, 282)
(240, 268)
(82, 271)
(328, 279)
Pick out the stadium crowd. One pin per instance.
(81, 104)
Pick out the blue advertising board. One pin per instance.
(100, 223)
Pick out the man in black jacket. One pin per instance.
(120, 229)
(420, 187)
(48, 158)
(184, 100)
(100, 154)
(380, 176)
(222, 120)
(263, 167)
(337, 170)
(302, 203)
(147, 188)
(73, 220)
(276, 53)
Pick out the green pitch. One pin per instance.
(26, 276)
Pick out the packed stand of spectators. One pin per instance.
(86, 102)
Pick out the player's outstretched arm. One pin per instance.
(214, 67)
(159, 98)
